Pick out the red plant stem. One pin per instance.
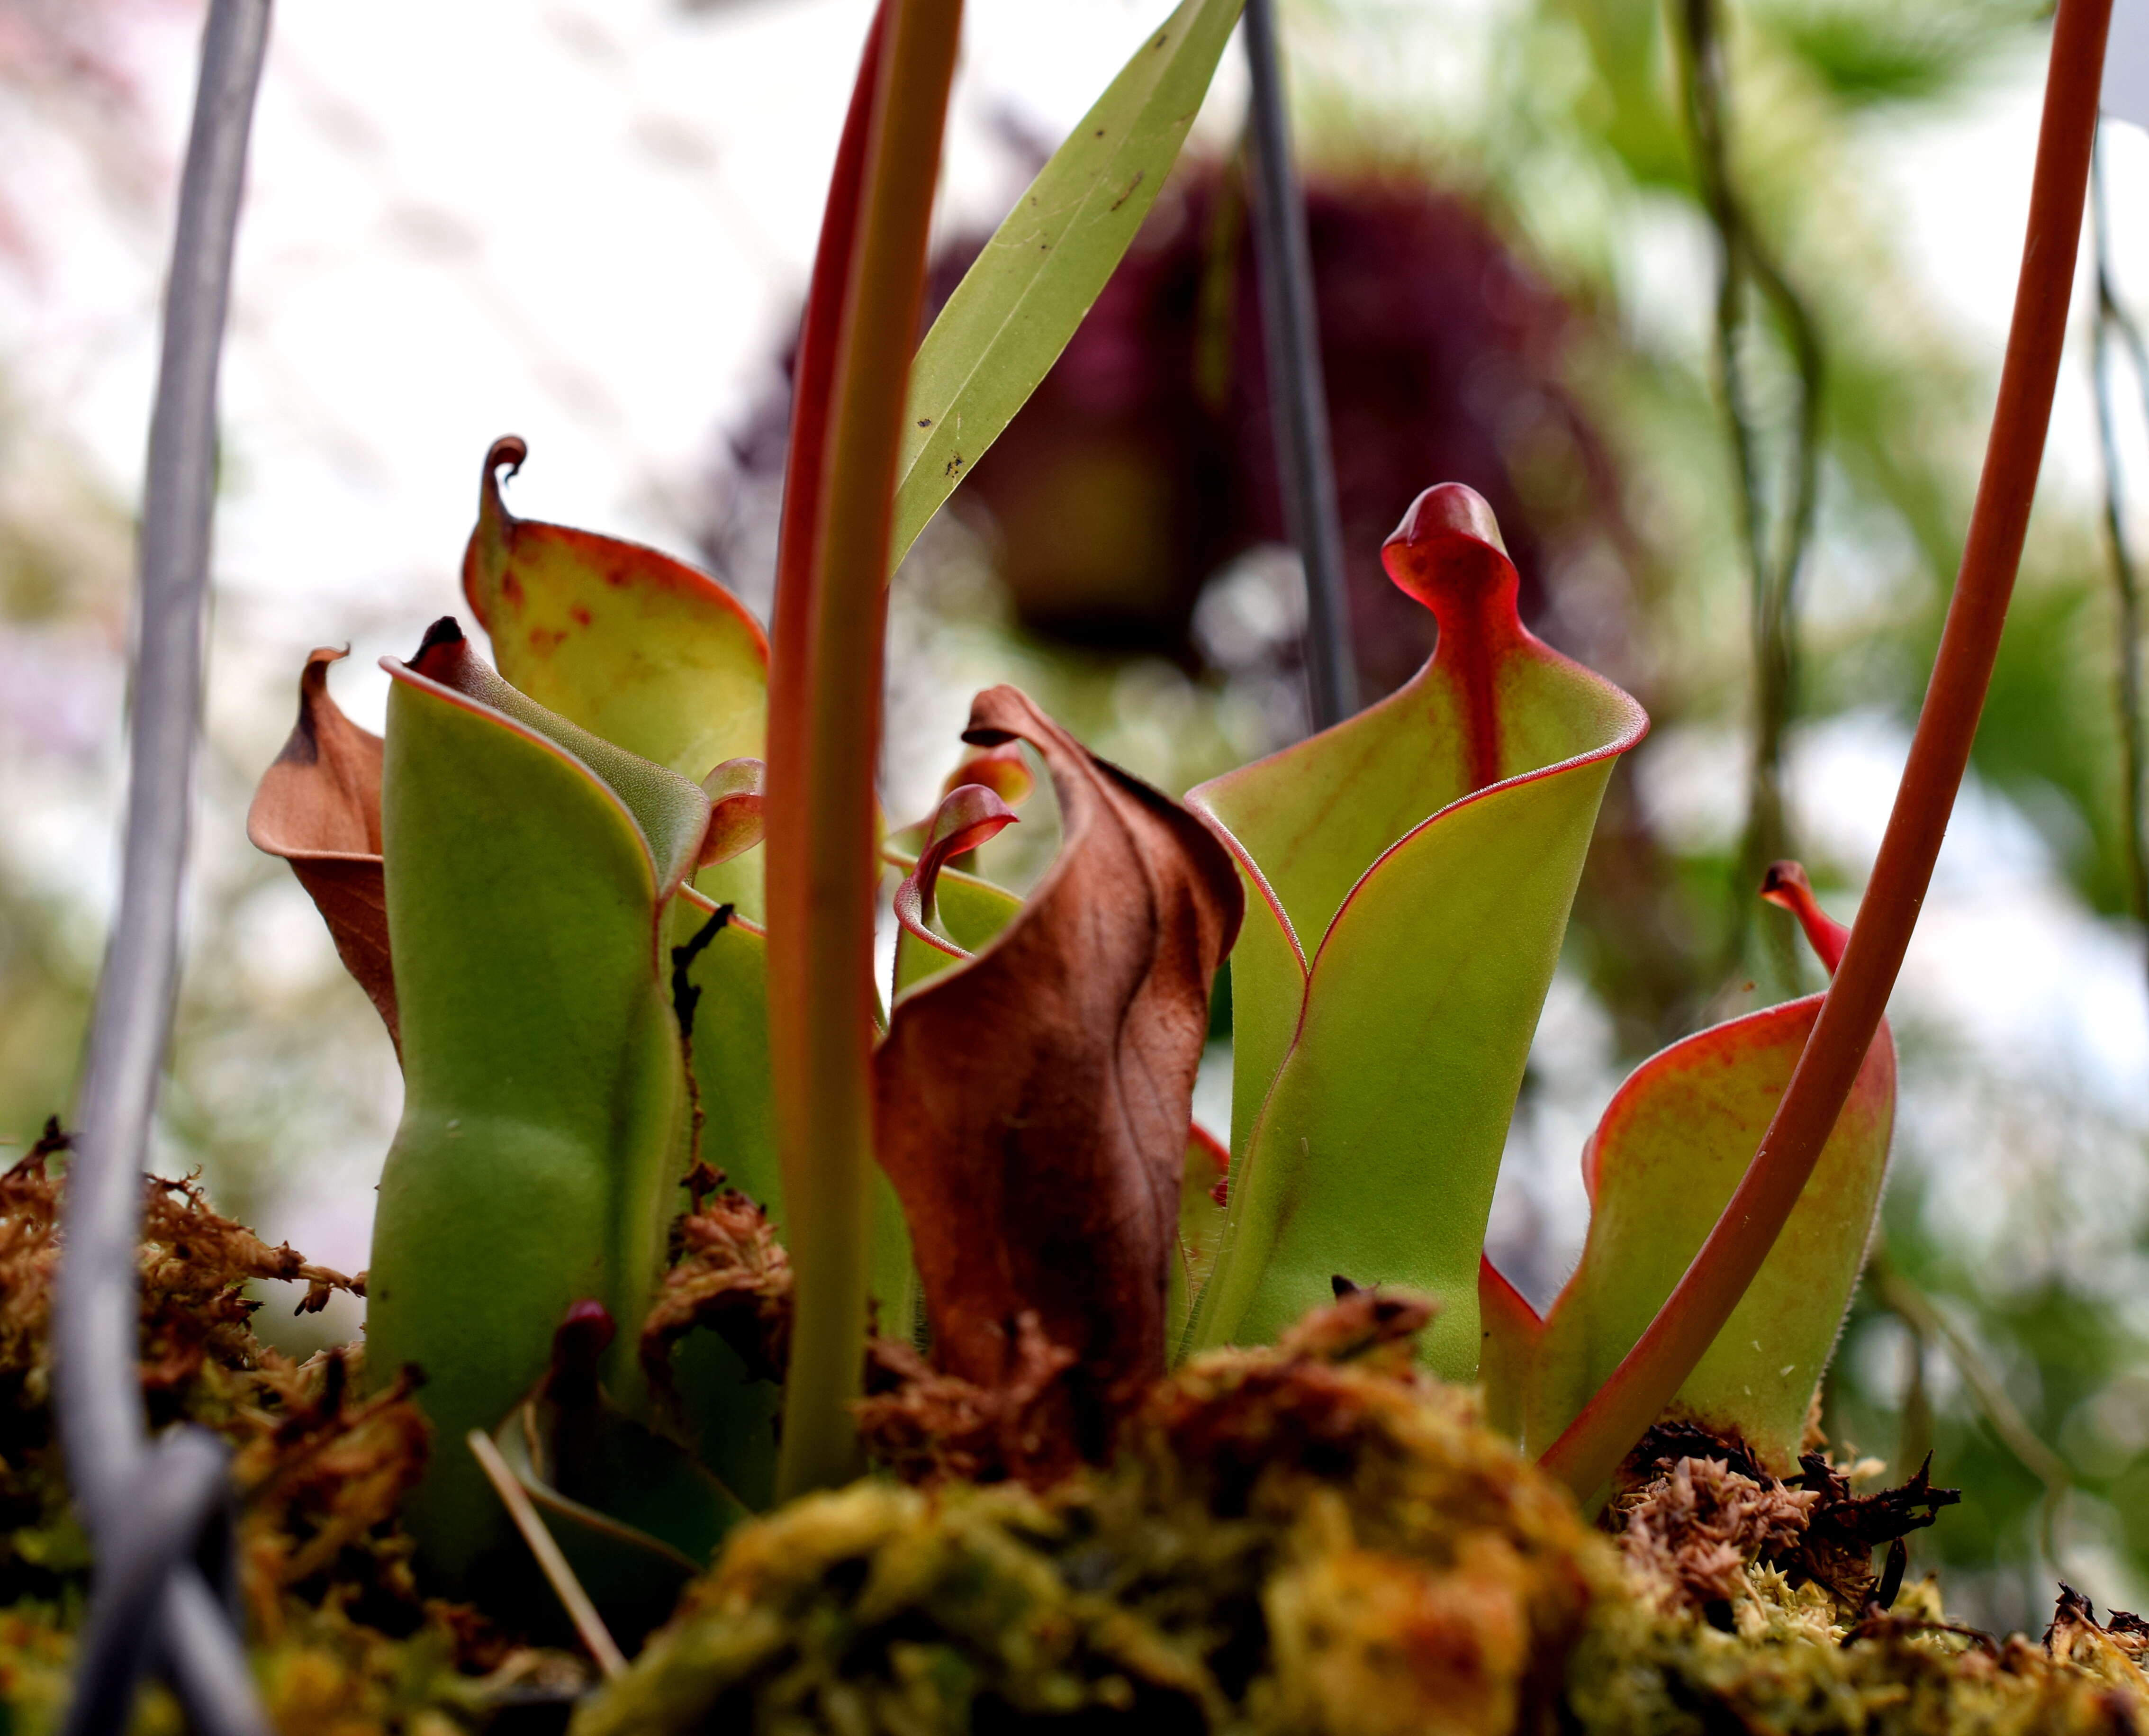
(824, 718)
(786, 817)
(813, 374)
(1586, 1456)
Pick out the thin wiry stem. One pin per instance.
(824, 741)
(1298, 398)
(1989, 1393)
(552, 1561)
(2113, 319)
(1615, 1418)
(1775, 556)
(98, 1387)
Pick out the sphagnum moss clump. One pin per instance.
(1308, 1537)
(1317, 1538)
(1792, 1665)
(345, 1641)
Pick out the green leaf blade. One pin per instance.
(1374, 1154)
(1202, 1189)
(1018, 306)
(730, 1045)
(730, 1055)
(1672, 1146)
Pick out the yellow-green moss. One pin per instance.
(1295, 1539)
(1310, 1541)
(324, 1675)
(1643, 1671)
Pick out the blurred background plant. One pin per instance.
(1704, 296)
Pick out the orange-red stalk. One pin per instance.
(1615, 1418)
(813, 373)
(824, 709)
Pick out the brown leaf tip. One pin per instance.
(303, 746)
(506, 453)
(447, 631)
(1785, 886)
(1785, 879)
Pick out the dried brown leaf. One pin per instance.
(1033, 1101)
(319, 807)
(2115, 1649)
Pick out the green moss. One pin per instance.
(1311, 1541)
(1314, 1540)
(1787, 1668)
(1311, 1538)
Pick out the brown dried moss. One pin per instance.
(346, 1642)
(1694, 1529)
(1726, 1628)
(727, 1272)
(1713, 1493)
(929, 1427)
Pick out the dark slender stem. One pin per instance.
(1775, 561)
(2111, 318)
(1298, 399)
(1652, 1371)
(98, 1387)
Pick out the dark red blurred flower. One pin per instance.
(1145, 460)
